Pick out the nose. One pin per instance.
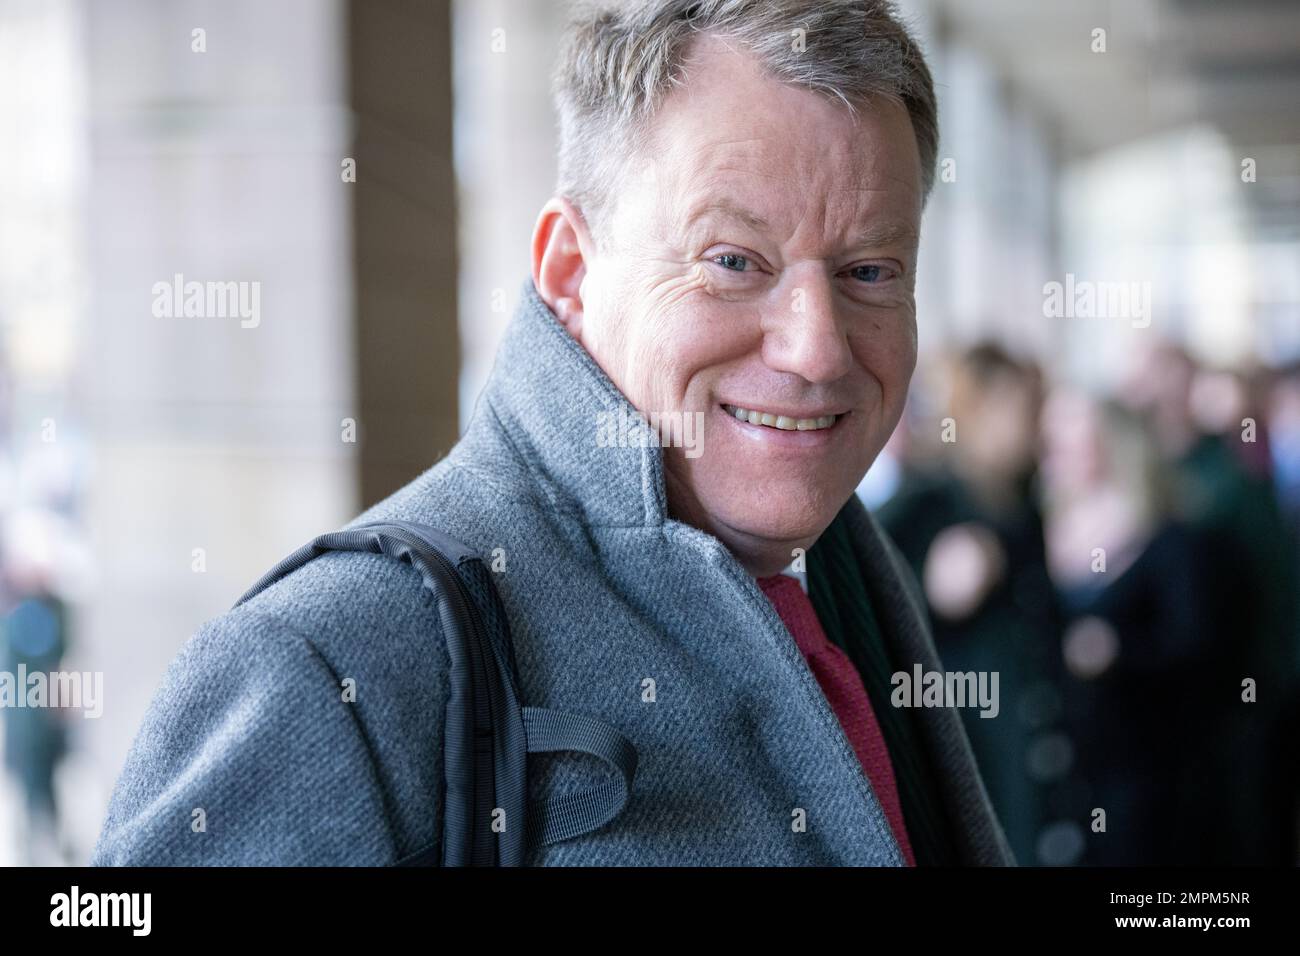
(804, 335)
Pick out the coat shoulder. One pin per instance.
(285, 731)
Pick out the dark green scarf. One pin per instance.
(840, 597)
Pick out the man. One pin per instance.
(730, 240)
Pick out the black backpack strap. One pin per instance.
(488, 732)
(561, 818)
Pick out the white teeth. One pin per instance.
(783, 422)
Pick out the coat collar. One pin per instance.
(551, 397)
(546, 394)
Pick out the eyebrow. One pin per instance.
(885, 233)
(726, 207)
(881, 233)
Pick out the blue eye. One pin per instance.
(867, 273)
(720, 259)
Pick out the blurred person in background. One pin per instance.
(1195, 417)
(1146, 688)
(33, 638)
(1199, 420)
(1284, 440)
(1281, 401)
(969, 526)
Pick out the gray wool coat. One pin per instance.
(603, 591)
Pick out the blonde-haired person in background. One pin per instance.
(1147, 641)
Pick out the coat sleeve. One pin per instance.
(249, 754)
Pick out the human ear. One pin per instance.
(561, 244)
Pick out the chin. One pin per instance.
(775, 501)
(792, 524)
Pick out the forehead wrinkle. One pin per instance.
(876, 233)
(724, 206)
(879, 228)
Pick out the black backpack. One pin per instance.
(489, 731)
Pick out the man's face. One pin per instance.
(763, 257)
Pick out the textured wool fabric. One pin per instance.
(843, 688)
(841, 594)
(617, 610)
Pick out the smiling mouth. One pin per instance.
(782, 422)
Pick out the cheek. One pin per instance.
(888, 352)
(691, 339)
(661, 336)
(654, 365)
(905, 347)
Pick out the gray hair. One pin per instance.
(619, 59)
